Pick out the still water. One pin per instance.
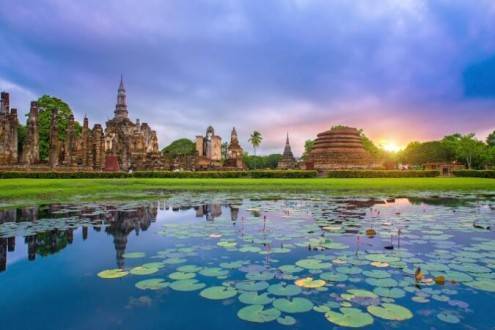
(251, 261)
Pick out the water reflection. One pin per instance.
(115, 220)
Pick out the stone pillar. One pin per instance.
(54, 142)
(31, 149)
(85, 146)
(4, 103)
(70, 137)
(98, 147)
(13, 156)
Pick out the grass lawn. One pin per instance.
(21, 191)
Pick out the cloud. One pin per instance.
(276, 66)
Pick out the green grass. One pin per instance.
(21, 191)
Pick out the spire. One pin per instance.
(121, 106)
(287, 140)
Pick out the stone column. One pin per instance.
(98, 147)
(31, 149)
(69, 142)
(54, 142)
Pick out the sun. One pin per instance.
(391, 146)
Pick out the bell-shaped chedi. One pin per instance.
(339, 148)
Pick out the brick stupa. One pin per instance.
(339, 148)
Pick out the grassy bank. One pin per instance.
(16, 191)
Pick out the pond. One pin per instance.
(251, 260)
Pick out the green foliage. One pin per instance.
(417, 153)
(381, 174)
(490, 140)
(308, 146)
(475, 174)
(46, 104)
(270, 161)
(180, 147)
(255, 139)
(470, 150)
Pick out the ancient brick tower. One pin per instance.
(54, 148)
(8, 131)
(288, 161)
(235, 152)
(31, 148)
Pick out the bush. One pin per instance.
(475, 173)
(381, 174)
(161, 174)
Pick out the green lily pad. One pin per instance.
(112, 273)
(253, 298)
(286, 320)
(181, 276)
(140, 270)
(218, 292)
(189, 269)
(390, 292)
(258, 314)
(134, 255)
(313, 264)
(152, 284)
(296, 305)
(290, 269)
(482, 284)
(187, 285)
(252, 285)
(448, 317)
(349, 317)
(285, 290)
(390, 312)
(214, 272)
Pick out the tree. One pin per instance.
(490, 140)
(308, 146)
(470, 150)
(270, 161)
(180, 147)
(225, 150)
(46, 104)
(255, 140)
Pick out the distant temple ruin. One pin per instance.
(339, 148)
(123, 145)
(287, 162)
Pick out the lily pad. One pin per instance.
(309, 283)
(253, 298)
(218, 292)
(112, 273)
(296, 305)
(390, 312)
(187, 285)
(349, 317)
(152, 284)
(258, 314)
(285, 290)
(140, 270)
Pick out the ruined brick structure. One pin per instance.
(287, 161)
(339, 148)
(234, 153)
(209, 150)
(8, 131)
(128, 145)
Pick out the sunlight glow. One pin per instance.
(390, 146)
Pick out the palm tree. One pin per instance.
(255, 139)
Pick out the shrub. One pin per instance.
(381, 174)
(475, 173)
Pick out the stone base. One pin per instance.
(111, 164)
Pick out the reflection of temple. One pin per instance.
(212, 211)
(121, 224)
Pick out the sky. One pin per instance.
(408, 70)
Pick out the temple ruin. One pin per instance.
(287, 162)
(339, 148)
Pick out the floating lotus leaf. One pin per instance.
(252, 285)
(285, 290)
(286, 320)
(187, 285)
(260, 276)
(390, 292)
(112, 273)
(313, 264)
(253, 298)
(483, 284)
(189, 269)
(375, 273)
(291, 269)
(280, 250)
(334, 277)
(382, 282)
(296, 305)
(140, 270)
(181, 276)
(349, 317)
(152, 284)
(470, 268)
(214, 272)
(390, 312)
(309, 283)
(349, 270)
(334, 246)
(173, 261)
(218, 292)
(134, 255)
(420, 299)
(253, 249)
(448, 317)
(258, 314)
(227, 244)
